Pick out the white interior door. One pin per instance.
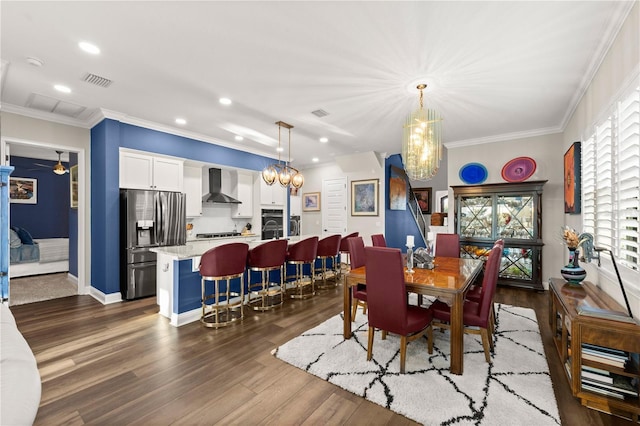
(334, 206)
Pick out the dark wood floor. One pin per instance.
(124, 364)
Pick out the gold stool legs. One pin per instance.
(300, 283)
(265, 290)
(222, 313)
(325, 274)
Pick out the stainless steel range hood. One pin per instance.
(215, 194)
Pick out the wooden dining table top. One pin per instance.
(450, 275)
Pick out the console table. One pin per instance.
(600, 354)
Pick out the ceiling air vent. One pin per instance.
(97, 80)
(320, 113)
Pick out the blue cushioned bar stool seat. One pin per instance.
(302, 254)
(265, 259)
(327, 251)
(224, 266)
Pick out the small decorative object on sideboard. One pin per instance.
(572, 271)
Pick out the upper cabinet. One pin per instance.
(510, 211)
(144, 171)
(273, 195)
(242, 190)
(193, 189)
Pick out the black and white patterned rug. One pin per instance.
(515, 389)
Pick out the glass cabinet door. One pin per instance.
(476, 217)
(515, 216)
(516, 264)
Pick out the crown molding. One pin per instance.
(503, 137)
(46, 116)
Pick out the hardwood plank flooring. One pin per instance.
(124, 364)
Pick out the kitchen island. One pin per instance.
(178, 280)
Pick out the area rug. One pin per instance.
(38, 288)
(515, 389)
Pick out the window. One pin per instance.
(611, 181)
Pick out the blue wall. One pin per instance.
(49, 218)
(398, 223)
(106, 139)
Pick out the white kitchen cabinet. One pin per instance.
(242, 190)
(273, 195)
(193, 189)
(144, 171)
(295, 205)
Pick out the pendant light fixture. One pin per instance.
(421, 143)
(59, 168)
(283, 172)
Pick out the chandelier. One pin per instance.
(421, 144)
(283, 172)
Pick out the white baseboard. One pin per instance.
(188, 317)
(105, 299)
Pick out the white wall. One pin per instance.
(618, 72)
(22, 129)
(548, 152)
(311, 222)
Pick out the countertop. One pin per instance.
(194, 249)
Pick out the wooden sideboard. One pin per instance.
(581, 328)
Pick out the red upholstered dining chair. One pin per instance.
(327, 249)
(266, 258)
(447, 245)
(300, 254)
(344, 251)
(223, 264)
(358, 291)
(378, 240)
(387, 300)
(475, 293)
(476, 314)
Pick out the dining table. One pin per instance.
(448, 281)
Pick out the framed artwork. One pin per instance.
(23, 190)
(73, 186)
(572, 179)
(397, 190)
(423, 195)
(364, 197)
(311, 202)
(444, 204)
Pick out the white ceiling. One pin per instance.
(495, 70)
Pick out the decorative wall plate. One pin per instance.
(519, 169)
(473, 173)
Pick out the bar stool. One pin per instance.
(223, 263)
(378, 240)
(327, 249)
(265, 258)
(344, 251)
(301, 254)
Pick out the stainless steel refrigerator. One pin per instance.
(147, 219)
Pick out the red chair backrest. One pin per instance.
(489, 282)
(304, 251)
(343, 241)
(269, 254)
(378, 240)
(356, 252)
(386, 291)
(329, 246)
(447, 245)
(228, 259)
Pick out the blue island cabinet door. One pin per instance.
(5, 171)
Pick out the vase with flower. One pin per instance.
(572, 271)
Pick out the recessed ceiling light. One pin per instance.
(89, 48)
(225, 101)
(36, 62)
(239, 138)
(324, 140)
(61, 88)
(181, 121)
(315, 159)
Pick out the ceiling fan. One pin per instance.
(58, 169)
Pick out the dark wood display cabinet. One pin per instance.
(511, 211)
(600, 354)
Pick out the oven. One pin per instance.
(272, 224)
